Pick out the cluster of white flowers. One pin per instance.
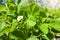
(19, 18)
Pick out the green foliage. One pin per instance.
(33, 23)
(32, 38)
(44, 28)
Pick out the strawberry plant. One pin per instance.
(28, 22)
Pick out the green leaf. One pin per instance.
(12, 36)
(43, 19)
(50, 36)
(17, 35)
(7, 30)
(2, 26)
(33, 7)
(31, 21)
(50, 20)
(55, 25)
(55, 31)
(32, 38)
(2, 8)
(58, 19)
(46, 37)
(1, 39)
(11, 12)
(43, 14)
(44, 28)
(14, 24)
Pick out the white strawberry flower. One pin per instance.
(19, 18)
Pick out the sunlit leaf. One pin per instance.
(44, 28)
(32, 38)
(2, 26)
